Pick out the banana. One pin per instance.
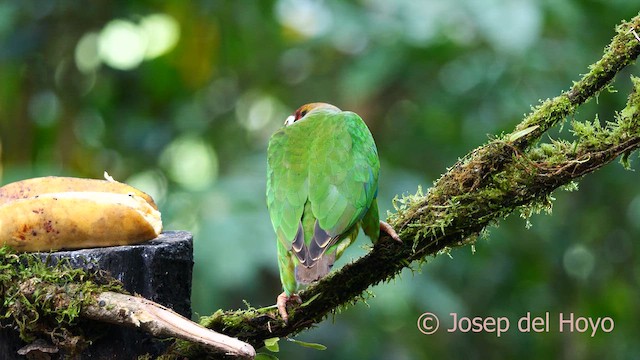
(52, 213)
(58, 184)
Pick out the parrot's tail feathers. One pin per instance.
(321, 241)
(307, 275)
(314, 262)
(298, 246)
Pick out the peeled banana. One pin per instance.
(52, 213)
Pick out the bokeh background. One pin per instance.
(179, 99)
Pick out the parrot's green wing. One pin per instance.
(287, 184)
(327, 161)
(343, 187)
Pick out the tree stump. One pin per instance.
(159, 270)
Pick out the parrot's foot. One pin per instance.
(282, 301)
(389, 230)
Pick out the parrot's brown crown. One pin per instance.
(307, 108)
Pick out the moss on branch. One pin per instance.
(45, 300)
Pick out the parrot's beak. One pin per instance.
(290, 119)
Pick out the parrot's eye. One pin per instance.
(300, 114)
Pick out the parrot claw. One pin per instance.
(282, 301)
(389, 230)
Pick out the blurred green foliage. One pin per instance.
(179, 98)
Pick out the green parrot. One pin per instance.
(322, 184)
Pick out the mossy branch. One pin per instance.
(507, 174)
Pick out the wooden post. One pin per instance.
(159, 270)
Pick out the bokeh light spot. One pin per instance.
(633, 212)
(578, 262)
(44, 108)
(86, 53)
(190, 162)
(151, 182)
(122, 45)
(309, 18)
(261, 114)
(162, 32)
(89, 128)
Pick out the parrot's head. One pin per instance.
(304, 110)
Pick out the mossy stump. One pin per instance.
(159, 270)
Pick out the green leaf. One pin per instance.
(310, 300)
(518, 134)
(308, 344)
(624, 160)
(272, 344)
(265, 356)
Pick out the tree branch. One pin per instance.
(159, 321)
(491, 182)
